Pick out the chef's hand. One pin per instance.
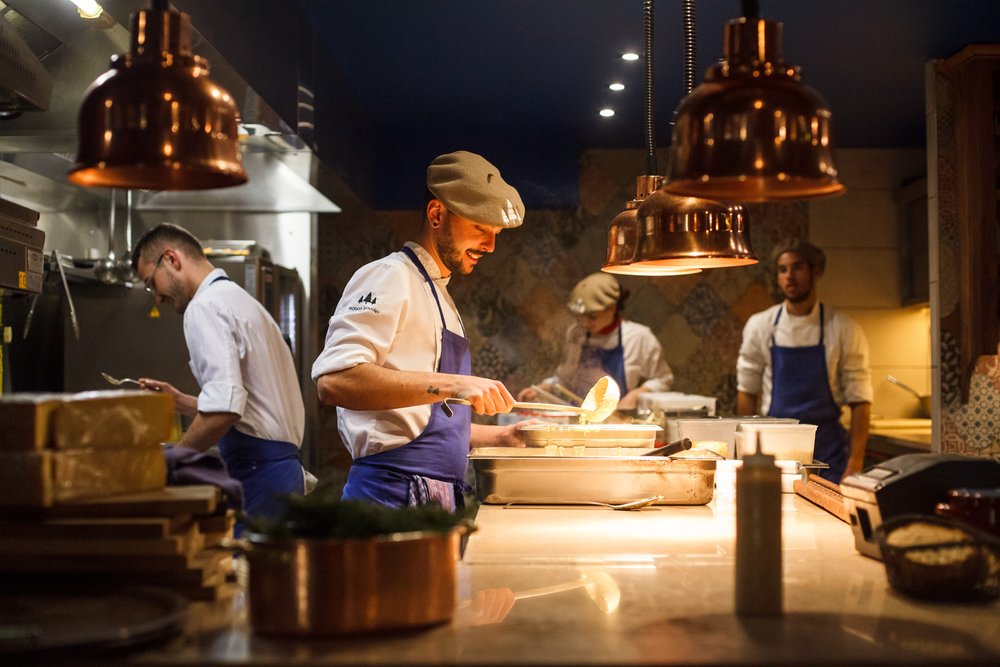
(629, 401)
(527, 394)
(513, 436)
(486, 396)
(185, 404)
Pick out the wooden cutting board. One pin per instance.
(171, 501)
(824, 493)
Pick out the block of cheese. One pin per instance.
(92, 419)
(25, 419)
(47, 477)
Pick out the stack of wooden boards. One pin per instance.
(85, 504)
(167, 538)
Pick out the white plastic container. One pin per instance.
(725, 476)
(669, 401)
(710, 430)
(786, 442)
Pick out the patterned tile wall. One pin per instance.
(513, 304)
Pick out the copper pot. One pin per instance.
(312, 587)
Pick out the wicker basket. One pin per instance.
(938, 558)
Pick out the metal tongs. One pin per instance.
(69, 299)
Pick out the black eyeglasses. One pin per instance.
(149, 281)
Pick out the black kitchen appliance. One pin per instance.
(909, 484)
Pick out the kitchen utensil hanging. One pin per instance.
(69, 297)
(104, 270)
(123, 265)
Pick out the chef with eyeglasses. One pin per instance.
(249, 403)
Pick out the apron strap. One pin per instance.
(413, 257)
(822, 332)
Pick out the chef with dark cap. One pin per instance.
(603, 342)
(803, 359)
(396, 347)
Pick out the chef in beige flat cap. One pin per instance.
(602, 342)
(396, 347)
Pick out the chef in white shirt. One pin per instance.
(803, 359)
(396, 348)
(250, 403)
(602, 342)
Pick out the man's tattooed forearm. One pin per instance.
(433, 390)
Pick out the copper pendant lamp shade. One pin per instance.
(752, 132)
(155, 121)
(623, 238)
(677, 232)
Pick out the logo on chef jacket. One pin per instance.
(366, 302)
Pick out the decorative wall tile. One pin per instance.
(703, 309)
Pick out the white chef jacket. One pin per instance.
(846, 352)
(387, 316)
(242, 363)
(645, 364)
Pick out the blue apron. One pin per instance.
(267, 469)
(800, 388)
(437, 458)
(597, 362)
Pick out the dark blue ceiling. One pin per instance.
(521, 81)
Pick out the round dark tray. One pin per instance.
(41, 623)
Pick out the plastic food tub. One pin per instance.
(787, 442)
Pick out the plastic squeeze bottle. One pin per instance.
(758, 536)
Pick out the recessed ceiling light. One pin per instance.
(630, 56)
(607, 113)
(617, 86)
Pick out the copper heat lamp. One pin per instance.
(155, 121)
(662, 234)
(752, 132)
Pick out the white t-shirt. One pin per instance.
(645, 364)
(387, 316)
(242, 363)
(846, 352)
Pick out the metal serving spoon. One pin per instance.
(118, 382)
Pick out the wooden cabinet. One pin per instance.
(966, 152)
(913, 243)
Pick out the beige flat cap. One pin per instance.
(594, 293)
(472, 187)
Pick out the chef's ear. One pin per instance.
(435, 212)
(172, 257)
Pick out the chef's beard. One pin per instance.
(175, 295)
(450, 254)
(799, 296)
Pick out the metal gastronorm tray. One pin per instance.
(555, 480)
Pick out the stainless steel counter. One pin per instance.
(888, 438)
(587, 585)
